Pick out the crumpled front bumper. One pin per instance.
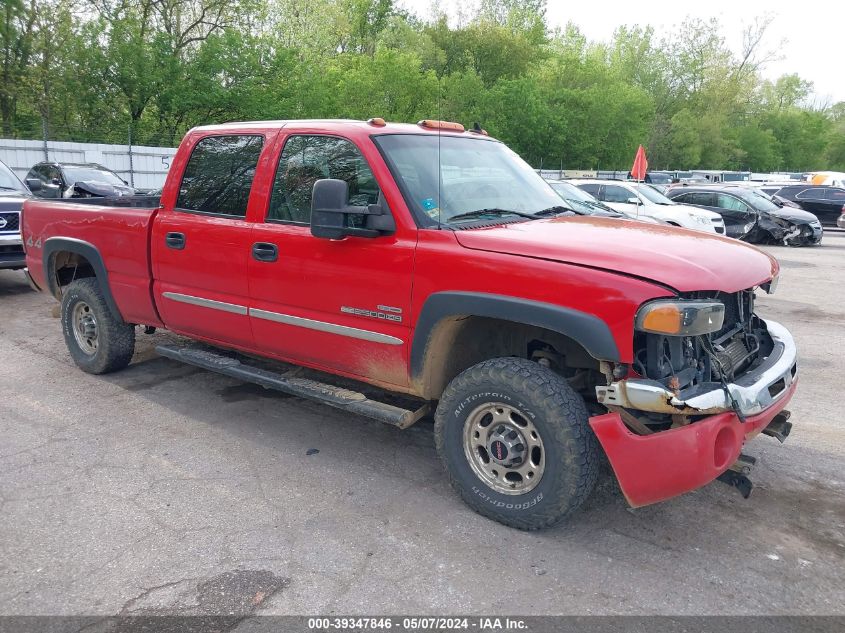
(754, 392)
(652, 468)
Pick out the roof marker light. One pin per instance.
(377, 121)
(441, 125)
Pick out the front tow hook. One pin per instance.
(737, 475)
(779, 427)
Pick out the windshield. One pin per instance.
(653, 195)
(569, 191)
(578, 199)
(443, 177)
(77, 174)
(8, 180)
(660, 179)
(762, 202)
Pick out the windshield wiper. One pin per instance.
(482, 212)
(5, 188)
(556, 210)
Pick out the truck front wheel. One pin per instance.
(98, 342)
(515, 440)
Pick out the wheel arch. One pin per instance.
(65, 253)
(456, 330)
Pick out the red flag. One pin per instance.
(640, 167)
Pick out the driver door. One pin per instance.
(341, 305)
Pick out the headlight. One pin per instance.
(681, 318)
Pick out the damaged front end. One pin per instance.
(744, 366)
(707, 373)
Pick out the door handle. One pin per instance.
(175, 241)
(265, 252)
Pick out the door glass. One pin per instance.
(730, 203)
(700, 198)
(809, 194)
(307, 159)
(613, 193)
(218, 176)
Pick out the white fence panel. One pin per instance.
(149, 165)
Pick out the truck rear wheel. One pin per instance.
(98, 342)
(515, 440)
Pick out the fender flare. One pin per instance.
(588, 330)
(87, 250)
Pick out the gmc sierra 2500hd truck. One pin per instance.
(432, 262)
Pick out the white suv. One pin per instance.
(633, 198)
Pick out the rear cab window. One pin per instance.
(218, 176)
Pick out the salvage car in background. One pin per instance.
(752, 216)
(639, 199)
(76, 180)
(827, 203)
(12, 195)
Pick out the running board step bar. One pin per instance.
(337, 397)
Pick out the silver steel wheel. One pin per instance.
(504, 448)
(84, 325)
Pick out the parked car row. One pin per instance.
(780, 213)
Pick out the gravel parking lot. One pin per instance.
(168, 489)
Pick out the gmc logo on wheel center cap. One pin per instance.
(499, 450)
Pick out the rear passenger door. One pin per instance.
(340, 305)
(201, 241)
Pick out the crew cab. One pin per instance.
(403, 269)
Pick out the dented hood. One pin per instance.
(681, 259)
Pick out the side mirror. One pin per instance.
(330, 213)
(633, 200)
(34, 184)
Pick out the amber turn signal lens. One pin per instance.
(665, 319)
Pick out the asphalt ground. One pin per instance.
(165, 489)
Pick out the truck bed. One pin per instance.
(117, 229)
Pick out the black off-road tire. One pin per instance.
(558, 413)
(115, 339)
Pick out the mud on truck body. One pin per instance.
(409, 269)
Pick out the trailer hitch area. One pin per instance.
(779, 427)
(737, 475)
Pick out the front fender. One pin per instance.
(588, 330)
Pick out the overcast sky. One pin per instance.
(813, 33)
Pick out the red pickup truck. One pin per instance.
(432, 262)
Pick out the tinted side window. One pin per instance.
(809, 194)
(612, 193)
(700, 198)
(218, 176)
(837, 195)
(307, 159)
(730, 203)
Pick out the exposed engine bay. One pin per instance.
(681, 363)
